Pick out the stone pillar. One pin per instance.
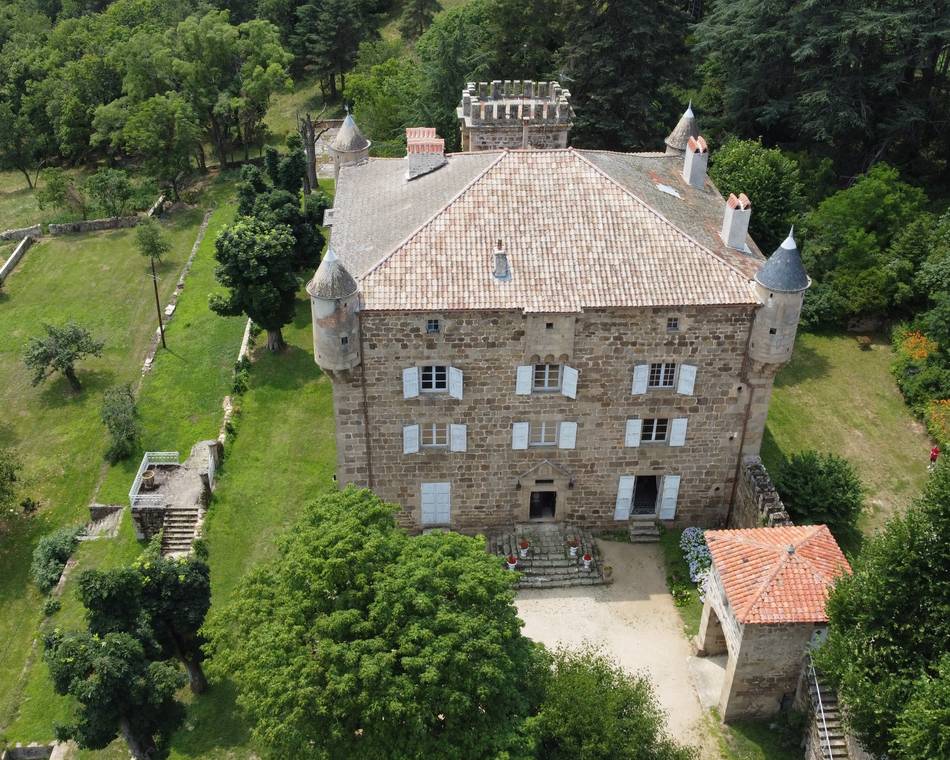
(711, 640)
(760, 380)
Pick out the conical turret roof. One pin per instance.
(784, 271)
(348, 137)
(685, 128)
(331, 280)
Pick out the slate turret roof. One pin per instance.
(331, 280)
(784, 272)
(685, 128)
(349, 138)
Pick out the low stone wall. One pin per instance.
(15, 257)
(35, 231)
(147, 521)
(30, 752)
(94, 225)
(757, 502)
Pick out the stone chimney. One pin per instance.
(425, 151)
(502, 270)
(735, 222)
(695, 161)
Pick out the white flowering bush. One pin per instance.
(696, 554)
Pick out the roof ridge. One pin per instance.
(784, 559)
(660, 216)
(432, 218)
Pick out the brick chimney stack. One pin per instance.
(735, 222)
(425, 151)
(695, 161)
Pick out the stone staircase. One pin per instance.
(826, 738)
(642, 532)
(179, 529)
(549, 564)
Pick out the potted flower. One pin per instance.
(572, 546)
(523, 548)
(511, 562)
(587, 561)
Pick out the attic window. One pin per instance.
(433, 326)
(548, 325)
(668, 190)
(672, 324)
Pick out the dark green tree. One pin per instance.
(251, 185)
(63, 346)
(921, 730)
(111, 190)
(359, 641)
(526, 36)
(889, 625)
(150, 240)
(416, 16)
(256, 265)
(117, 690)
(120, 415)
(10, 467)
(279, 207)
(61, 190)
(821, 488)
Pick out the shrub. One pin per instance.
(938, 421)
(696, 554)
(121, 418)
(50, 556)
(821, 488)
(51, 606)
(10, 467)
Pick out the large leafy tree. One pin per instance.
(359, 641)
(118, 692)
(416, 16)
(606, 43)
(327, 36)
(63, 346)
(256, 264)
(889, 626)
(111, 190)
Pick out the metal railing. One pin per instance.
(820, 709)
(137, 499)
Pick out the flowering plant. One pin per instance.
(696, 554)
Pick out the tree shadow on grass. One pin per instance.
(806, 364)
(214, 722)
(288, 369)
(58, 393)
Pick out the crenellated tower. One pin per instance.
(514, 113)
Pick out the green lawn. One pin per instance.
(100, 281)
(835, 397)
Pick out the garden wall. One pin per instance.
(17, 254)
(94, 225)
(35, 231)
(757, 502)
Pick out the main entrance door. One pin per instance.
(645, 494)
(542, 505)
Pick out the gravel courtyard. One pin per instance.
(635, 622)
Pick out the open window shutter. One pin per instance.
(640, 375)
(566, 435)
(427, 503)
(458, 437)
(410, 439)
(523, 383)
(671, 489)
(624, 497)
(569, 381)
(519, 435)
(443, 503)
(631, 437)
(455, 382)
(687, 380)
(678, 431)
(410, 382)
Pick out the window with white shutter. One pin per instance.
(455, 382)
(567, 435)
(671, 489)
(410, 382)
(519, 435)
(641, 374)
(434, 378)
(547, 377)
(435, 504)
(624, 497)
(434, 434)
(631, 438)
(410, 439)
(542, 434)
(678, 431)
(458, 437)
(661, 375)
(569, 381)
(524, 379)
(654, 429)
(687, 380)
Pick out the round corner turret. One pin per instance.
(780, 286)
(334, 307)
(349, 147)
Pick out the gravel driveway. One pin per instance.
(635, 622)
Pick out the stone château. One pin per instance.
(527, 331)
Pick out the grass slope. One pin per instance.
(100, 281)
(835, 397)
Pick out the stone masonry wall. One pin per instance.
(94, 225)
(488, 347)
(757, 502)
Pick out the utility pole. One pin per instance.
(158, 305)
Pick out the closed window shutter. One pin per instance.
(678, 431)
(671, 489)
(641, 373)
(410, 439)
(567, 435)
(624, 497)
(569, 381)
(523, 381)
(410, 382)
(458, 437)
(631, 436)
(435, 503)
(455, 382)
(687, 380)
(519, 435)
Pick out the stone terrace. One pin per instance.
(549, 564)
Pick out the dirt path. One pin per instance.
(635, 622)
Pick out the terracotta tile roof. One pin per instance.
(777, 575)
(576, 237)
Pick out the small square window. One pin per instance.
(435, 377)
(672, 324)
(433, 326)
(547, 377)
(548, 325)
(654, 430)
(543, 434)
(772, 331)
(661, 375)
(344, 340)
(435, 434)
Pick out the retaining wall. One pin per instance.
(35, 231)
(17, 254)
(757, 502)
(94, 225)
